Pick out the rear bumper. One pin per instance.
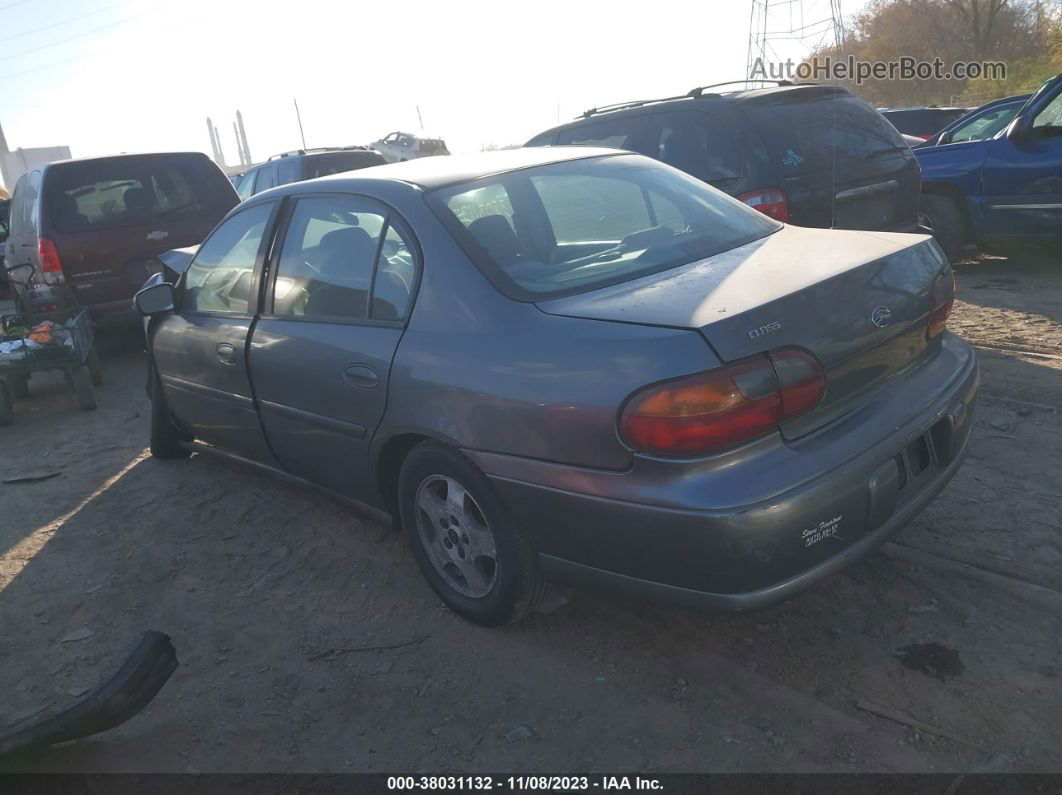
(760, 525)
(763, 597)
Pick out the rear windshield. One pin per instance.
(568, 227)
(834, 134)
(108, 194)
(338, 162)
(923, 122)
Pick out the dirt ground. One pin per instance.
(308, 641)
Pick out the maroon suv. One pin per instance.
(98, 224)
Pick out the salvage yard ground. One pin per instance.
(308, 640)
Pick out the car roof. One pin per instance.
(137, 156)
(703, 98)
(429, 173)
(922, 107)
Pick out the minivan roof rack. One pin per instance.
(699, 91)
(695, 93)
(295, 152)
(622, 105)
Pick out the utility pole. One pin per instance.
(420, 118)
(298, 116)
(239, 146)
(242, 138)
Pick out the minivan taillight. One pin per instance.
(718, 409)
(51, 266)
(941, 300)
(770, 201)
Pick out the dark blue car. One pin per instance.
(1004, 192)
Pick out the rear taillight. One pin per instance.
(48, 256)
(769, 201)
(941, 299)
(712, 411)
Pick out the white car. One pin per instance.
(399, 146)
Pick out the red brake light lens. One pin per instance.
(941, 300)
(712, 411)
(801, 381)
(51, 265)
(771, 202)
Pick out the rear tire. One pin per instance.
(19, 385)
(86, 396)
(93, 363)
(470, 550)
(165, 438)
(7, 404)
(943, 216)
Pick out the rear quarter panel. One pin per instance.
(484, 372)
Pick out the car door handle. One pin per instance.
(361, 375)
(226, 353)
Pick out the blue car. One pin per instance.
(980, 123)
(1003, 192)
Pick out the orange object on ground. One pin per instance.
(42, 334)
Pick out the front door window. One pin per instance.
(219, 278)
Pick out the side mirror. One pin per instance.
(157, 299)
(945, 138)
(1018, 131)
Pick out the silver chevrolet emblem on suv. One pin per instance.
(881, 316)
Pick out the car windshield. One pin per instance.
(106, 194)
(578, 225)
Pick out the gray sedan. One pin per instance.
(571, 363)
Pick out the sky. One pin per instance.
(110, 76)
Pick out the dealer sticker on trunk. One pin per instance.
(822, 530)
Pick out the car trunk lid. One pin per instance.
(858, 301)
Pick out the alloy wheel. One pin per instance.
(456, 536)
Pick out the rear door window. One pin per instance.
(265, 179)
(328, 264)
(618, 133)
(218, 280)
(33, 206)
(696, 142)
(17, 221)
(287, 171)
(109, 194)
(246, 187)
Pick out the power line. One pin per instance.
(20, 53)
(12, 5)
(81, 56)
(58, 24)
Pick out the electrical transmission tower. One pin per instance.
(782, 29)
